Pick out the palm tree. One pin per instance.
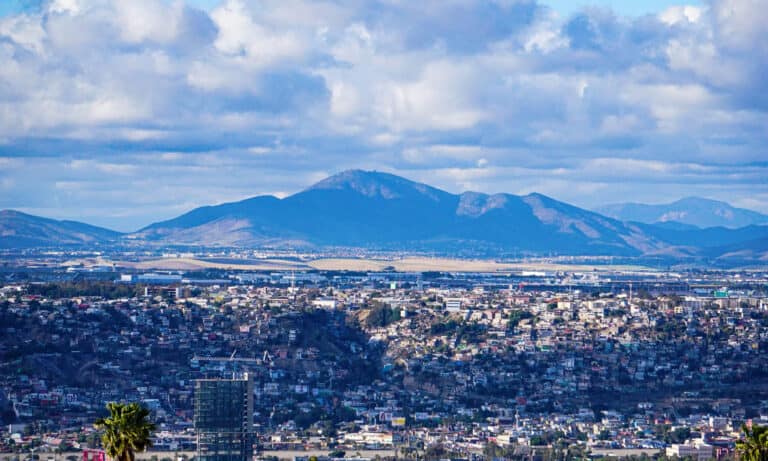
(755, 446)
(126, 430)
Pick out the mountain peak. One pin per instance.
(9, 212)
(370, 209)
(22, 230)
(376, 184)
(695, 211)
(698, 201)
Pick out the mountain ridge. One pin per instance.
(368, 209)
(22, 230)
(692, 211)
(380, 210)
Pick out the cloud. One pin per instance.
(497, 95)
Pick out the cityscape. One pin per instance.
(383, 230)
(391, 363)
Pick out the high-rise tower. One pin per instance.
(224, 419)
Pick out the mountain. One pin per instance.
(364, 209)
(692, 211)
(379, 210)
(21, 230)
(371, 209)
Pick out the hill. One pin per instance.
(21, 230)
(366, 209)
(371, 209)
(379, 210)
(691, 211)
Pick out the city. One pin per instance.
(401, 362)
(383, 230)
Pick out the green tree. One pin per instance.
(382, 315)
(516, 316)
(754, 447)
(126, 431)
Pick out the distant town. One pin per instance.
(544, 364)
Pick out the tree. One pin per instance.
(492, 451)
(754, 447)
(435, 452)
(126, 431)
(382, 315)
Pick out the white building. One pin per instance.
(697, 450)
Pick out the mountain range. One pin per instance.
(21, 230)
(689, 211)
(383, 211)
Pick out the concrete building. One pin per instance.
(699, 451)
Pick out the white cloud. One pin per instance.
(681, 13)
(526, 101)
(740, 24)
(672, 106)
(24, 30)
(435, 155)
(440, 98)
(66, 6)
(545, 35)
(147, 20)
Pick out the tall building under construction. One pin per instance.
(224, 419)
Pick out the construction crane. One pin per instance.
(231, 359)
(267, 358)
(224, 359)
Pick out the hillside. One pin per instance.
(379, 210)
(691, 211)
(21, 230)
(365, 209)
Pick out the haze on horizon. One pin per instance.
(122, 113)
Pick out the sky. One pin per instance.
(124, 113)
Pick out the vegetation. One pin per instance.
(126, 430)
(754, 447)
(516, 316)
(561, 450)
(443, 327)
(436, 452)
(668, 435)
(107, 290)
(381, 316)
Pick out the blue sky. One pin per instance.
(624, 7)
(122, 113)
(564, 7)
